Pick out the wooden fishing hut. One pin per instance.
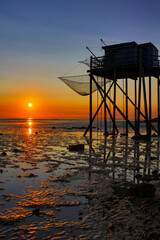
(132, 62)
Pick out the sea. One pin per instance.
(66, 124)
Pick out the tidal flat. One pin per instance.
(49, 192)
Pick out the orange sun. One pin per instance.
(29, 104)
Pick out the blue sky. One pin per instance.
(41, 39)
(59, 27)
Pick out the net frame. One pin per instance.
(81, 84)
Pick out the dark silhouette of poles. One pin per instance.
(145, 103)
(90, 110)
(135, 110)
(126, 106)
(105, 115)
(114, 96)
(150, 104)
(158, 98)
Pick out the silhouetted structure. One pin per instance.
(129, 61)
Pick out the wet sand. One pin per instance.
(48, 192)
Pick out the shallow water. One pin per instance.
(48, 192)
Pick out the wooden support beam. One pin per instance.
(111, 117)
(127, 106)
(99, 88)
(135, 109)
(90, 145)
(114, 97)
(114, 108)
(158, 98)
(139, 107)
(139, 93)
(129, 123)
(105, 147)
(150, 105)
(105, 116)
(145, 103)
(101, 91)
(90, 124)
(90, 109)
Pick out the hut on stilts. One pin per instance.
(136, 63)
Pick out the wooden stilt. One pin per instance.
(158, 104)
(135, 109)
(145, 104)
(126, 157)
(91, 121)
(114, 98)
(139, 106)
(111, 117)
(105, 116)
(126, 106)
(116, 107)
(105, 144)
(150, 106)
(122, 114)
(139, 92)
(100, 90)
(90, 110)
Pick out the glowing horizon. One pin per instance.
(69, 106)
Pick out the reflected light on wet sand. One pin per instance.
(29, 131)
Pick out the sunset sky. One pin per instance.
(41, 40)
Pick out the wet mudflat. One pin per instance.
(48, 192)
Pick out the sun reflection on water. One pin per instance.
(30, 124)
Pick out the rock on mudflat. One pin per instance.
(36, 212)
(121, 190)
(141, 137)
(143, 190)
(4, 154)
(138, 176)
(155, 172)
(77, 147)
(16, 150)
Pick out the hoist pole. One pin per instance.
(90, 108)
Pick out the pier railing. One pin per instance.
(124, 60)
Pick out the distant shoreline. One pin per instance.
(154, 120)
